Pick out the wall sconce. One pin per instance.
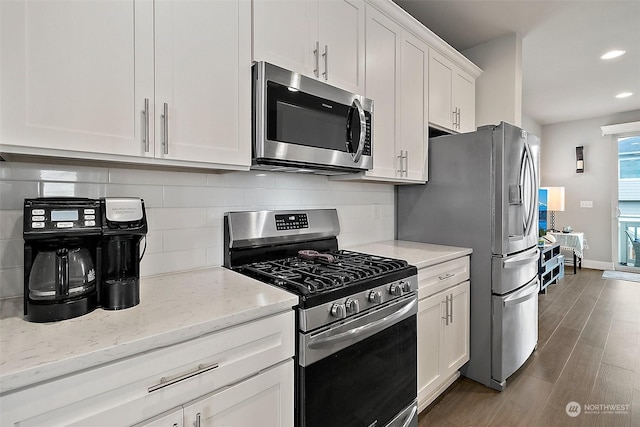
(580, 159)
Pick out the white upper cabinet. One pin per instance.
(382, 72)
(85, 79)
(397, 82)
(451, 95)
(203, 81)
(74, 75)
(414, 107)
(318, 38)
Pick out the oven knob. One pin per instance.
(375, 297)
(352, 306)
(395, 290)
(339, 311)
(406, 286)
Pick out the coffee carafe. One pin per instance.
(124, 224)
(61, 257)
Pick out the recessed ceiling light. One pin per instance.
(613, 54)
(624, 95)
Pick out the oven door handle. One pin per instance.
(367, 329)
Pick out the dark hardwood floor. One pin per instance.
(588, 352)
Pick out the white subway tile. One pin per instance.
(156, 177)
(174, 218)
(72, 189)
(215, 215)
(11, 253)
(13, 193)
(11, 282)
(301, 181)
(17, 171)
(11, 224)
(191, 238)
(169, 262)
(284, 198)
(153, 242)
(215, 256)
(251, 179)
(202, 196)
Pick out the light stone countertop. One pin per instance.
(420, 255)
(173, 308)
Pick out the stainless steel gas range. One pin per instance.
(356, 318)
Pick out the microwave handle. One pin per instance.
(363, 130)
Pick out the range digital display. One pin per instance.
(64, 215)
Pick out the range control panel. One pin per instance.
(60, 217)
(292, 221)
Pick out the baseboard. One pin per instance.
(597, 265)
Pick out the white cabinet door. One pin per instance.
(456, 333)
(264, 400)
(440, 82)
(203, 75)
(382, 67)
(341, 36)
(318, 38)
(430, 321)
(75, 74)
(168, 419)
(413, 114)
(464, 97)
(285, 33)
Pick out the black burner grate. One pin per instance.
(309, 277)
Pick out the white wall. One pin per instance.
(185, 208)
(558, 168)
(499, 87)
(531, 125)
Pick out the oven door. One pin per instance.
(301, 121)
(362, 372)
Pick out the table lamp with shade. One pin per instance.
(555, 203)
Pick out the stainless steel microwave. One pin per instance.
(304, 125)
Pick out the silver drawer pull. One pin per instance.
(446, 276)
(167, 381)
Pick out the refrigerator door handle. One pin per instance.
(526, 294)
(517, 262)
(533, 194)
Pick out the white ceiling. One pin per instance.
(563, 76)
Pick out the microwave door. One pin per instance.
(356, 130)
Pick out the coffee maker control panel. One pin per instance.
(61, 216)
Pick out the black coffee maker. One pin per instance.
(124, 224)
(62, 257)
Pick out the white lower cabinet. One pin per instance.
(263, 400)
(443, 327)
(239, 376)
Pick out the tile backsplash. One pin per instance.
(185, 209)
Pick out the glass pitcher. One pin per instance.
(61, 273)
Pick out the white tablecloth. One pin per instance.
(575, 242)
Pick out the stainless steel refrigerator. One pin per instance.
(483, 193)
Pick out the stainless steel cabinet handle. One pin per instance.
(446, 310)
(146, 125)
(451, 309)
(446, 276)
(167, 381)
(406, 163)
(165, 128)
(400, 157)
(325, 55)
(316, 54)
(197, 423)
